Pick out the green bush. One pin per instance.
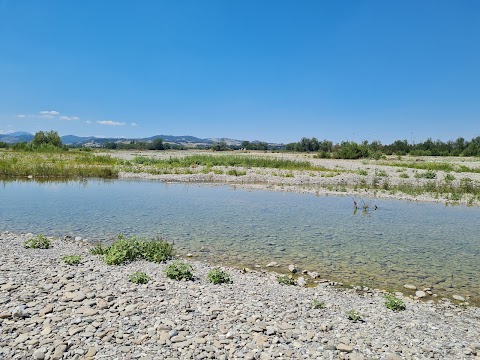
(139, 277)
(362, 172)
(217, 276)
(236, 172)
(286, 280)
(72, 259)
(449, 177)
(354, 315)
(404, 176)
(426, 175)
(317, 304)
(127, 250)
(37, 242)
(98, 249)
(178, 270)
(393, 303)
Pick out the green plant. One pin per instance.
(393, 303)
(404, 176)
(98, 249)
(37, 242)
(317, 304)
(354, 315)
(381, 173)
(286, 280)
(139, 277)
(449, 177)
(217, 276)
(236, 172)
(362, 172)
(72, 259)
(178, 270)
(426, 175)
(126, 250)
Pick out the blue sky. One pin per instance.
(267, 70)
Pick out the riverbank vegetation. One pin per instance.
(375, 149)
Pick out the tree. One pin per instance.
(157, 144)
(47, 138)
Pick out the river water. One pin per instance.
(428, 245)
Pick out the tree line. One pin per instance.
(375, 149)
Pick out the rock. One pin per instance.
(410, 287)
(59, 351)
(5, 314)
(313, 274)
(458, 297)
(124, 349)
(272, 264)
(79, 296)
(392, 356)
(301, 281)
(189, 255)
(78, 238)
(39, 355)
(20, 311)
(292, 268)
(46, 310)
(420, 294)
(344, 348)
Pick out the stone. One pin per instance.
(301, 281)
(46, 310)
(20, 311)
(292, 268)
(272, 264)
(420, 294)
(458, 297)
(79, 296)
(344, 348)
(59, 351)
(410, 287)
(39, 355)
(392, 356)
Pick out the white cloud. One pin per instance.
(21, 116)
(63, 117)
(88, 122)
(133, 124)
(110, 123)
(49, 112)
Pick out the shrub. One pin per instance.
(393, 303)
(126, 250)
(217, 276)
(354, 315)
(139, 277)
(157, 251)
(426, 175)
(317, 304)
(286, 280)
(178, 270)
(72, 259)
(404, 176)
(362, 172)
(37, 242)
(236, 172)
(449, 177)
(98, 249)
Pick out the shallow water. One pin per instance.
(425, 244)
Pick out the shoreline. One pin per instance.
(254, 317)
(316, 189)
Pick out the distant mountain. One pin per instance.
(16, 137)
(185, 140)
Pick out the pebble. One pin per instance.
(92, 311)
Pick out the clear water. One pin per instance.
(428, 245)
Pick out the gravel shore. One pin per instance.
(49, 310)
(359, 178)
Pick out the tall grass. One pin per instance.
(228, 160)
(64, 165)
(431, 166)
